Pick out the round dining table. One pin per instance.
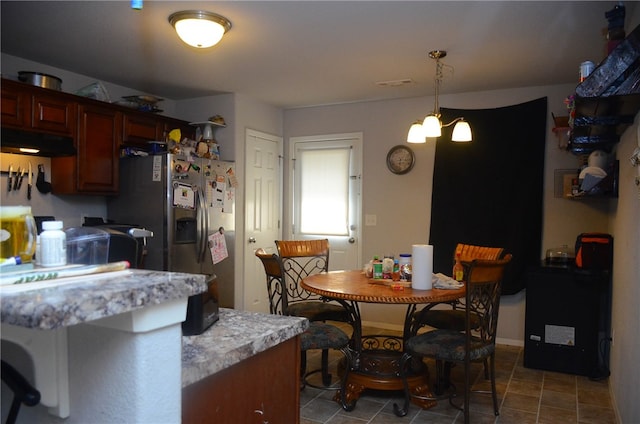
(376, 358)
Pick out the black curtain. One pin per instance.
(489, 192)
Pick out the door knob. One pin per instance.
(252, 239)
(352, 240)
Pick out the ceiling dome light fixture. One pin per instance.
(198, 28)
(431, 126)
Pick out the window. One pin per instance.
(324, 191)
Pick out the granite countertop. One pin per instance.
(236, 336)
(82, 299)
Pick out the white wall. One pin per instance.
(389, 196)
(625, 226)
(67, 209)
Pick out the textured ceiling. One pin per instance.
(302, 53)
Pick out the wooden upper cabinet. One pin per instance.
(95, 168)
(98, 129)
(99, 139)
(53, 114)
(186, 130)
(139, 129)
(33, 108)
(16, 107)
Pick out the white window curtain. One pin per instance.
(324, 202)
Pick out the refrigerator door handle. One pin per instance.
(203, 225)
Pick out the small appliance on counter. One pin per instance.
(202, 310)
(127, 242)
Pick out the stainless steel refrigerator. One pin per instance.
(188, 203)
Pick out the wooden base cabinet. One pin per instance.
(260, 389)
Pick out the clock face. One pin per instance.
(400, 159)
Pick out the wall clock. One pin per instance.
(400, 159)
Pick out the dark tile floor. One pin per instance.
(524, 396)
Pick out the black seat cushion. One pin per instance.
(318, 311)
(446, 345)
(323, 336)
(451, 319)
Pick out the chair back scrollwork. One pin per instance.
(299, 259)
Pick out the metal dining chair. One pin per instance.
(324, 336)
(275, 286)
(300, 259)
(477, 341)
(320, 335)
(453, 318)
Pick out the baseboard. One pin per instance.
(397, 327)
(383, 325)
(509, 342)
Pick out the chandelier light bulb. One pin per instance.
(461, 132)
(432, 126)
(416, 133)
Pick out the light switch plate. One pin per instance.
(370, 220)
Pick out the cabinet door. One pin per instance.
(263, 388)
(16, 107)
(94, 170)
(53, 114)
(99, 139)
(186, 130)
(140, 129)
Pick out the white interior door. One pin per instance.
(326, 179)
(263, 212)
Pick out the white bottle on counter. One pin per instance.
(53, 244)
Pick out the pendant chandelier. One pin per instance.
(431, 126)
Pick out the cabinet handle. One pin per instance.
(261, 412)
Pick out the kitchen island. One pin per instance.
(245, 368)
(109, 348)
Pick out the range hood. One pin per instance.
(37, 144)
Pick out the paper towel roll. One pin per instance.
(422, 267)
